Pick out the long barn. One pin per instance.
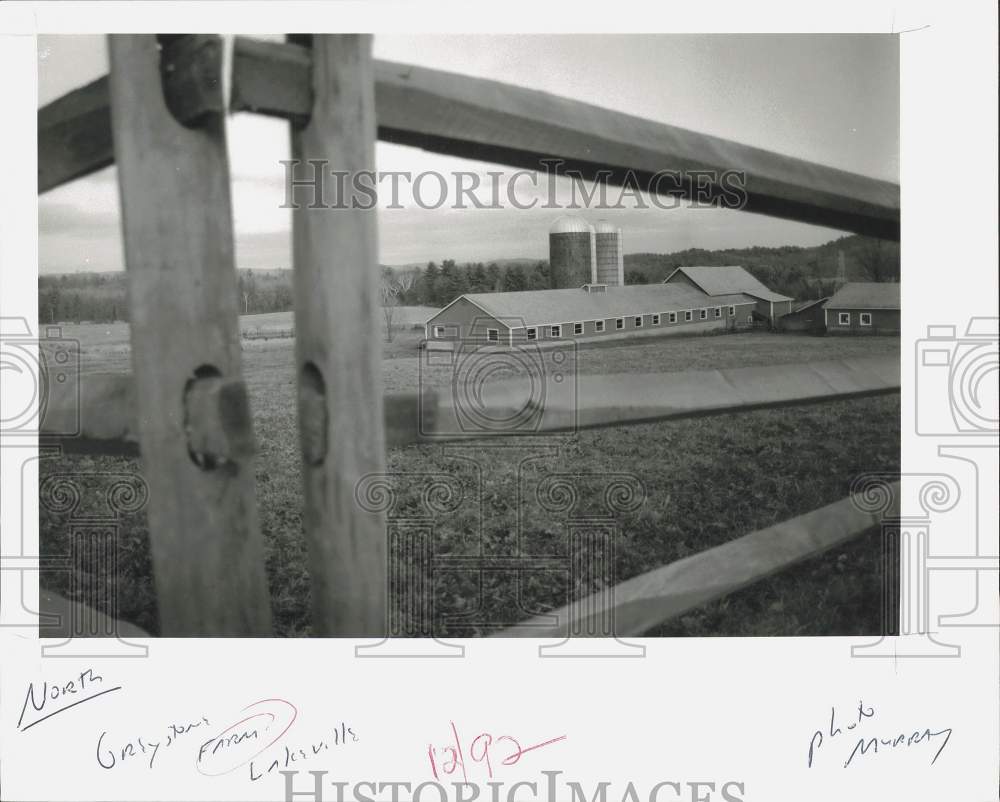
(592, 312)
(769, 306)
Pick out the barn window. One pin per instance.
(750, 318)
(620, 323)
(438, 332)
(638, 321)
(688, 315)
(578, 328)
(844, 318)
(555, 331)
(866, 318)
(703, 314)
(671, 317)
(718, 311)
(598, 325)
(656, 320)
(732, 311)
(493, 335)
(532, 333)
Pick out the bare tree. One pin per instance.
(406, 281)
(389, 290)
(879, 260)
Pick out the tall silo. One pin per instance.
(572, 253)
(610, 259)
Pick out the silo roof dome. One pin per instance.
(571, 224)
(604, 227)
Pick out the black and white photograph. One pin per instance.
(546, 403)
(431, 336)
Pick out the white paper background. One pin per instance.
(699, 710)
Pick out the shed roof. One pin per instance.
(540, 307)
(727, 279)
(865, 295)
(801, 306)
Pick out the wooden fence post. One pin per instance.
(208, 556)
(338, 346)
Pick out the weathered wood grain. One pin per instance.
(107, 414)
(74, 131)
(641, 603)
(338, 350)
(208, 556)
(487, 120)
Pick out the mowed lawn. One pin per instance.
(699, 483)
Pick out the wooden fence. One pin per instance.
(160, 117)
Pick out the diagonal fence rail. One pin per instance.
(185, 409)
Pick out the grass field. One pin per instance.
(705, 481)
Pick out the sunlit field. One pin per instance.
(701, 483)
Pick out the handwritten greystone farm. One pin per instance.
(471, 351)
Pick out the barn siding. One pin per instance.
(809, 319)
(884, 321)
(647, 329)
(680, 278)
(464, 321)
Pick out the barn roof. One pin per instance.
(540, 307)
(729, 279)
(801, 306)
(865, 295)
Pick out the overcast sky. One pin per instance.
(829, 99)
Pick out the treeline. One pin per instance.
(73, 297)
(801, 273)
(103, 297)
(438, 285)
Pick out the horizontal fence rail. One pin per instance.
(74, 131)
(103, 414)
(637, 605)
(475, 118)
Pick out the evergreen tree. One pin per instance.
(428, 285)
(478, 280)
(493, 278)
(514, 279)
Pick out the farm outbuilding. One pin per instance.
(730, 279)
(805, 316)
(863, 307)
(592, 312)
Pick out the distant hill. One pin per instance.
(802, 273)
(799, 272)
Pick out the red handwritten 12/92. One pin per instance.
(485, 749)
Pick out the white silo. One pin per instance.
(610, 257)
